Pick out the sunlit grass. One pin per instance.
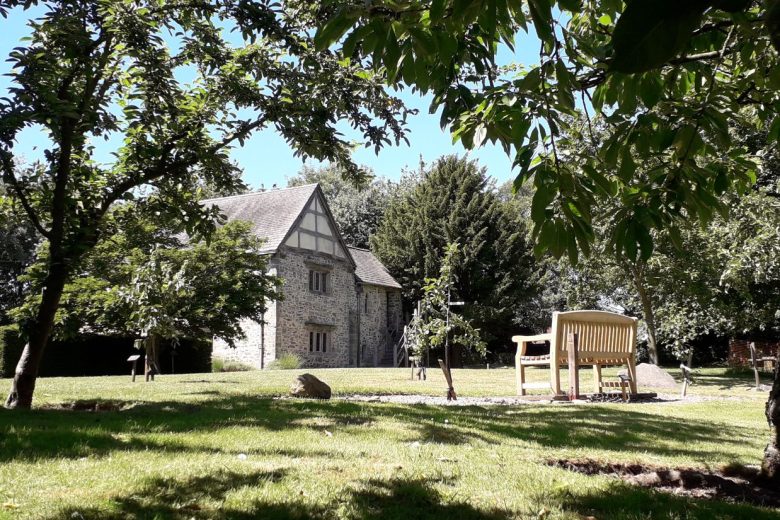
(220, 446)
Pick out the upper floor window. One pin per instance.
(318, 281)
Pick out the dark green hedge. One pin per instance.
(10, 349)
(102, 356)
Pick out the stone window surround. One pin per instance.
(318, 341)
(318, 279)
(318, 330)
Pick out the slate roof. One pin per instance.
(370, 270)
(272, 213)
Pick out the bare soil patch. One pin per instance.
(732, 484)
(90, 405)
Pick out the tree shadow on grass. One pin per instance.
(588, 426)
(204, 496)
(49, 433)
(407, 499)
(621, 500)
(72, 432)
(196, 497)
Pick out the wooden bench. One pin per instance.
(603, 339)
(768, 362)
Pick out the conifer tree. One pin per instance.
(455, 201)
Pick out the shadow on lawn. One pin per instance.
(203, 497)
(621, 500)
(46, 433)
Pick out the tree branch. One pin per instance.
(10, 178)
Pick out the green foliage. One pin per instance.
(221, 365)
(453, 201)
(176, 85)
(144, 281)
(700, 69)
(286, 362)
(431, 328)
(357, 209)
(721, 278)
(11, 345)
(19, 242)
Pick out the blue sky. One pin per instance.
(267, 159)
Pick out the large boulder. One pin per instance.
(306, 385)
(653, 376)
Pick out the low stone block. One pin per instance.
(306, 385)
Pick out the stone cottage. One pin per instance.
(341, 306)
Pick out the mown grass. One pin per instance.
(219, 446)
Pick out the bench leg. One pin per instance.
(632, 374)
(555, 378)
(521, 390)
(519, 375)
(597, 378)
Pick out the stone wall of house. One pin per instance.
(373, 325)
(303, 310)
(259, 341)
(395, 318)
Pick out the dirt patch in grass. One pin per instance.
(90, 405)
(732, 484)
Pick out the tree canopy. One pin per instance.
(143, 280)
(176, 84)
(671, 81)
(454, 201)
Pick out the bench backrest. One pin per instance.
(600, 334)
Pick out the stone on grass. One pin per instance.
(306, 385)
(653, 376)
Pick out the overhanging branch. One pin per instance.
(10, 178)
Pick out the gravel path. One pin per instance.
(516, 401)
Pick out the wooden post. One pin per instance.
(754, 362)
(151, 365)
(450, 390)
(574, 374)
(687, 379)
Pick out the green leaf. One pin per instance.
(651, 89)
(541, 14)
(651, 32)
(774, 130)
(479, 136)
(773, 22)
(334, 29)
(605, 19)
(731, 6)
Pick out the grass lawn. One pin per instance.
(219, 446)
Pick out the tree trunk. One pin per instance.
(38, 333)
(770, 466)
(647, 310)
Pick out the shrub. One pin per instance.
(221, 365)
(286, 362)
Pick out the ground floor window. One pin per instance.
(318, 341)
